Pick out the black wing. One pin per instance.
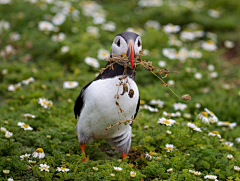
(79, 102)
(137, 108)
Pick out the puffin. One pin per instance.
(96, 108)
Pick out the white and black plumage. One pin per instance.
(95, 107)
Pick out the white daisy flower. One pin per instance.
(10, 179)
(194, 127)
(151, 109)
(187, 115)
(92, 62)
(208, 45)
(15, 36)
(93, 31)
(133, 174)
(162, 63)
(4, 25)
(118, 169)
(211, 67)
(3, 130)
(229, 156)
(112, 175)
(8, 135)
(95, 168)
(5, 1)
(6, 171)
(195, 54)
(103, 54)
(228, 143)
(214, 133)
(27, 115)
(62, 169)
(39, 153)
(198, 33)
(214, 13)
(29, 80)
(237, 140)
(70, 84)
(197, 173)
(169, 53)
(236, 168)
(170, 28)
(58, 37)
(45, 26)
(152, 24)
(169, 147)
(14, 87)
(203, 116)
(170, 82)
(213, 75)
(168, 132)
(150, 3)
(187, 35)
(226, 123)
(25, 157)
(64, 49)
(229, 44)
(24, 126)
(98, 20)
(211, 177)
(197, 105)
(198, 75)
(179, 106)
(44, 167)
(167, 122)
(191, 171)
(158, 102)
(170, 170)
(148, 156)
(109, 26)
(45, 103)
(59, 19)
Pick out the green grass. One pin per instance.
(36, 55)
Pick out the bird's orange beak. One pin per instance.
(131, 53)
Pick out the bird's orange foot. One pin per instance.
(84, 159)
(123, 156)
(83, 151)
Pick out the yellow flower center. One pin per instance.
(152, 153)
(166, 121)
(25, 125)
(169, 114)
(210, 42)
(49, 104)
(197, 173)
(71, 9)
(45, 103)
(211, 112)
(39, 150)
(169, 148)
(142, 102)
(226, 122)
(204, 114)
(63, 168)
(70, 83)
(44, 167)
(216, 132)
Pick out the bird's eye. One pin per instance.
(139, 43)
(118, 43)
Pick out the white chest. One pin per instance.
(100, 109)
